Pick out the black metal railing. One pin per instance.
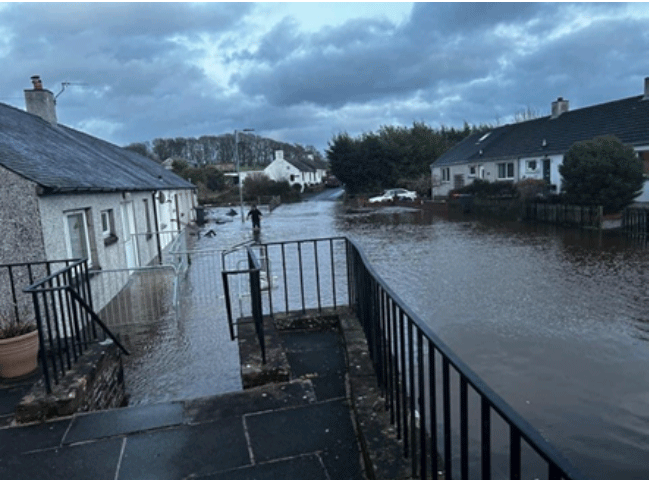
(15, 304)
(254, 284)
(450, 422)
(66, 322)
(416, 370)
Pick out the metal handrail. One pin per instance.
(388, 350)
(65, 319)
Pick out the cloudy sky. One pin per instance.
(303, 72)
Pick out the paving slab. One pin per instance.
(322, 427)
(21, 439)
(186, 451)
(267, 397)
(96, 460)
(319, 355)
(109, 423)
(303, 467)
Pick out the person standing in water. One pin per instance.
(255, 217)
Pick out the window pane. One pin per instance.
(77, 232)
(510, 169)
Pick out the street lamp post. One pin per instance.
(237, 166)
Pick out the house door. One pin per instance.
(546, 170)
(129, 234)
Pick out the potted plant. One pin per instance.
(19, 343)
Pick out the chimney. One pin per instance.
(646, 88)
(40, 101)
(278, 154)
(559, 107)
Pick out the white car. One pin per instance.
(391, 194)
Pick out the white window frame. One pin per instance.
(473, 170)
(108, 223)
(445, 174)
(505, 166)
(531, 169)
(84, 219)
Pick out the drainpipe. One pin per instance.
(158, 235)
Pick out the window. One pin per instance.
(77, 235)
(446, 174)
(505, 170)
(108, 227)
(472, 171)
(531, 166)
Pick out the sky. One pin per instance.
(305, 72)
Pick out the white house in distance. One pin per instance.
(65, 194)
(535, 149)
(305, 172)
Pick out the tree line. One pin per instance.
(392, 156)
(253, 151)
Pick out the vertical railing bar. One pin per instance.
(89, 298)
(48, 322)
(268, 270)
(422, 405)
(42, 350)
(464, 428)
(333, 273)
(227, 302)
(434, 452)
(303, 300)
(397, 373)
(404, 384)
(485, 438)
(317, 277)
(285, 279)
(389, 393)
(448, 459)
(514, 453)
(67, 336)
(413, 428)
(379, 296)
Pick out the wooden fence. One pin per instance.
(565, 214)
(635, 221)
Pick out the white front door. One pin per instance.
(129, 234)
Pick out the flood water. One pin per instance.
(555, 320)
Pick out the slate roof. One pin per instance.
(627, 119)
(61, 159)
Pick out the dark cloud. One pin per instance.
(179, 69)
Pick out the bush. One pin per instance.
(601, 172)
(258, 185)
(486, 189)
(529, 189)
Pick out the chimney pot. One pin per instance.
(40, 101)
(36, 81)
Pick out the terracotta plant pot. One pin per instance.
(18, 355)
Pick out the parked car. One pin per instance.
(392, 194)
(332, 181)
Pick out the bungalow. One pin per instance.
(304, 172)
(65, 194)
(535, 149)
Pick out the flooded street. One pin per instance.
(554, 320)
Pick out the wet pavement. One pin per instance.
(302, 429)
